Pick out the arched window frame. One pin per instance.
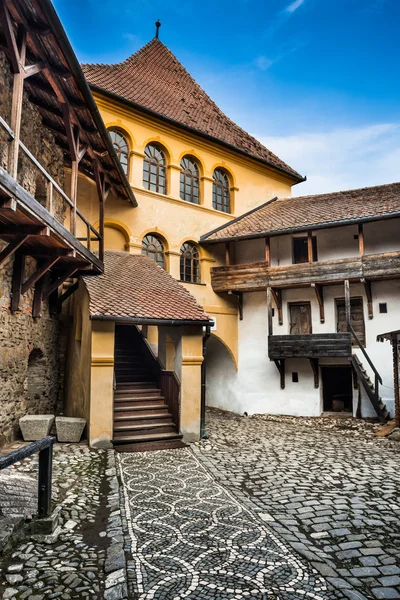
(190, 263)
(222, 197)
(121, 146)
(155, 168)
(153, 246)
(189, 188)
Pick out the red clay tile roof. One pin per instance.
(134, 286)
(285, 215)
(154, 79)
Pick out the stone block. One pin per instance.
(69, 429)
(34, 427)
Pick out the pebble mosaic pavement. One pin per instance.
(191, 539)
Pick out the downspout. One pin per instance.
(203, 434)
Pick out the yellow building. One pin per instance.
(191, 169)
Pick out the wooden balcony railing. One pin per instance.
(258, 276)
(315, 345)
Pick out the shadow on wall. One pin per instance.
(221, 375)
(36, 378)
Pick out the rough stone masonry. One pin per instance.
(29, 353)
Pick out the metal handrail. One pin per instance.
(45, 448)
(371, 364)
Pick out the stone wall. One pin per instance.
(29, 348)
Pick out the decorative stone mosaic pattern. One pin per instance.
(191, 539)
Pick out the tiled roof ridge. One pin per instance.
(322, 195)
(258, 150)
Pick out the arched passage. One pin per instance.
(221, 376)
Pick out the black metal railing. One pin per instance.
(45, 449)
(378, 379)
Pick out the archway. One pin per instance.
(221, 375)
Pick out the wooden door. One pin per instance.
(300, 318)
(356, 318)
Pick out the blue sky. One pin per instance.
(317, 81)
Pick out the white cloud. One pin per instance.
(294, 6)
(342, 158)
(263, 63)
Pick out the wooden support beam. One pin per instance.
(59, 281)
(29, 70)
(23, 230)
(13, 50)
(37, 299)
(361, 244)
(269, 309)
(268, 251)
(16, 106)
(68, 293)
(277, 296)
(12, 247)
(239, 296)
(319, 292)
(40, 271)
(368, 293)
(347, 302)
(17, 278)
(310, 247)
(280, 365)
(315, 367)
(227, 254)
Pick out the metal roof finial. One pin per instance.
(158, 25)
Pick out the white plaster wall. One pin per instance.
(382, 236)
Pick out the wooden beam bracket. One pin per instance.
(368, 293)
(319, 292)
(72, 288)
(280, 365)
(315, 368)
(17, 277)
(12, 247)
(277, 295)
(38, 274)
(59, 281)
(239, 296)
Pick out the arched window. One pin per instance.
(153, 247)
(190, 263)
(221, 191)
(189, 190)
(121, 147)
(154, 169)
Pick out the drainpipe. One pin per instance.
(203, 434)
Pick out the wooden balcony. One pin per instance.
(315, 345)
(255, 277)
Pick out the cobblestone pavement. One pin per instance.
(192, 539)
(71, 567)
(331, 492)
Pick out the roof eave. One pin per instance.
(149, 321)
(273, 233)
(295, 178)
(84, 88)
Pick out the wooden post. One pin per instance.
(269, 309)
(227, 254)
(310, 247)
(101, 228)
(368, 293)
(396, 379)
(17, 277)
(74, 194)
(347, 302)
(361, 244)
(277, 296)
(268, 251)
(16, 108)
(319, 292)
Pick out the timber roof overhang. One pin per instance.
(61, 87)
(154, 82)
(283, 216)
(134, 289)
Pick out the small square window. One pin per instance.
(382, 307)
(356, 236)
(273, 312)
(295, 377)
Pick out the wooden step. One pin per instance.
(129, 421)
(150, 383)
(146, 408)
(144, 429)
(128, 439)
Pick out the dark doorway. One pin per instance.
(300, 318)
(337, 388)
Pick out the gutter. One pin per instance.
(84, 88)
(147, 321)
(311, 227)
(297, 178)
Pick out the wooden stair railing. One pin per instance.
(167, 380)
(371, 389)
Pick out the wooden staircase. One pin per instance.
(371, 389)
(141, 408)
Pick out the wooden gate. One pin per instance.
(300, 318)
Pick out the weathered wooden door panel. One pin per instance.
(300, 318)
(356, 318)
